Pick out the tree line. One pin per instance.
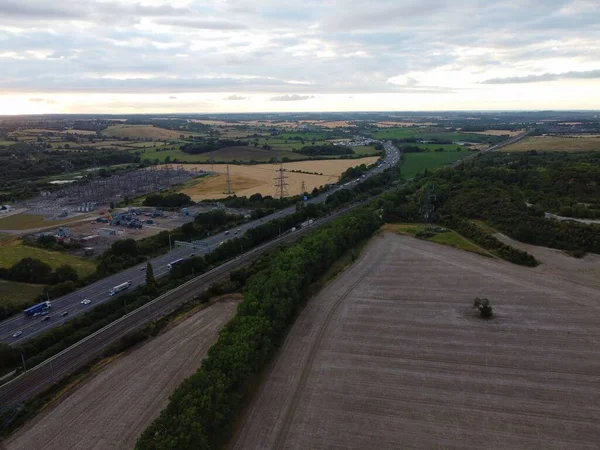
(203, 408)
(512, 193)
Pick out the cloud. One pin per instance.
(291, 51)
(235, 97)
(291, 98)
(574, 75)
(199, 23)
(41, 100)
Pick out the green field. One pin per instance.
(417, 162)
(450, 237)
(427, 134)
(555, 144)
(433, 147)
(227, 154)
(18, 292)
(13, 251)
(32, 221)
(365, 150)
(397, 133)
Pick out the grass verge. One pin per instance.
(450, 237)
(13, 251)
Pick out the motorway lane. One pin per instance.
(98, 292)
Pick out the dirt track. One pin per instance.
(391, 355)
(112, 409)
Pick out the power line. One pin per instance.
(280, 183)
(211, 161)
(428, 207)
(229, 189)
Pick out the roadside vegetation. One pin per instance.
(439, 235)
(202, 410)
(125, 253)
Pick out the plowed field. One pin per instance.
(112, 409)
(391, 355)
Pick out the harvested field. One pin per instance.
(557, 263)
(404, 124)
(391, 355)
(248, 180)
(497, 132)
(110, 410)
(554, 144)
(144, 131)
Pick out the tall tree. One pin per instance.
(150, 281)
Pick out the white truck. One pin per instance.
(119, 288)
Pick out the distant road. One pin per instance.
(510, 141)
(98, 292)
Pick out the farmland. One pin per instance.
(145, 132)
(392, 355)
(555, 144)
(415, 163)
(226, 154)
(248, 180)
(119, 401)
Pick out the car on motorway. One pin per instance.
(192, 254)
(86, 301)
(17, 334)
(142, 268)
(227, 232)
(64, 313)
(45, 319)
(44, 313)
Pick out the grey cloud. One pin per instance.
(33, 10)
(291, 98)
(235, 97)
(204, 24)
(592, 74)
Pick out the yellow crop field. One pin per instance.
(260, 178)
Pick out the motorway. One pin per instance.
(98, 292)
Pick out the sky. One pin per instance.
(218, 56)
